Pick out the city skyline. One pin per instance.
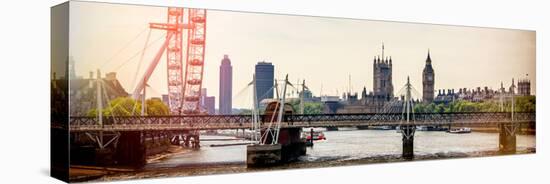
(133, 92)
(339, 47)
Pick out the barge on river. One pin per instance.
(289, 146)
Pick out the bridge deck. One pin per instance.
(206, 122)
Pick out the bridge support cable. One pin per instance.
(102, 66)
(141, 60)
(269, 131)
(141, 84)
(272, 129)
(100, 136)
(408, 127)
(394, 106)
(136, 54)
(255, 118)
(281, 110)
(255, 112)
(256, 121)
(301, 94)
(99, 108)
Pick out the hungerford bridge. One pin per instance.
(507, 123)
(218, 122)
(129, 134)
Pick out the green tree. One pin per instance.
(155, 107)
(522, 104)
(525, 104)
(313, 108)
(126, 106)
(419, 108)
(309, 107)
(246, 112)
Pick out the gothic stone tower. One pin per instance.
(382, 79)
(428, 80)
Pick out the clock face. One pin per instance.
(429, 78)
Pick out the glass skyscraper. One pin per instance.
(264, 80)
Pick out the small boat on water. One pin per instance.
(317, 135)
(460, 130)
(431, 128)
(383, 127)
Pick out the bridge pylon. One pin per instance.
(408, 141)
(507, 137)
(507, 131)
(408, 127)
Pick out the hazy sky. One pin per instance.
(323, 51)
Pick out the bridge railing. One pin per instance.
(239, 120)
(159, 120)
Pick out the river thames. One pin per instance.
(343, 147)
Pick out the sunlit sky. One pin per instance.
(323, 51)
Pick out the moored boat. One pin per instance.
(317, 135)
(263, 154)
(431, 128)
(287, 146)
(460, 130)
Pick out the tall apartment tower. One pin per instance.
(265, 78)
(226, 86)
(428, 81)
(382, 79)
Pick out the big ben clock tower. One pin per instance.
(428, 81)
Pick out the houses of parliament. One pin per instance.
(381, 99)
